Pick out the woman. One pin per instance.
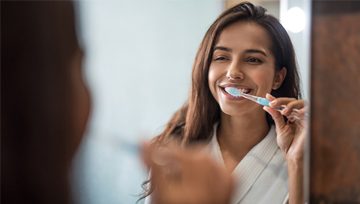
(262, 147)
(44, 101)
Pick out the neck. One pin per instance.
(237, 135)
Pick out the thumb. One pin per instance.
(276, 116)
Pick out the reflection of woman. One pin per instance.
(263, 150)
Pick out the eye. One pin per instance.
(253, 60)
(220, 58)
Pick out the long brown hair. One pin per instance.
(194, 121)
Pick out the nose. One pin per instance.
(234, 73)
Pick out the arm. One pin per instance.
(291, 140)
(296, 178)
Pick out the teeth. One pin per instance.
(244, 90)
(241, 90)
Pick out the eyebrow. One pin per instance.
(222, 48)
(246, 51)
(256, 51)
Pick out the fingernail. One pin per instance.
(272, 103)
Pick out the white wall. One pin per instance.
(138, 62)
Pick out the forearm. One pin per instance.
(296, 182)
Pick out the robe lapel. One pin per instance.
(253, 164)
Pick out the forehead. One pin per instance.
(245, 35)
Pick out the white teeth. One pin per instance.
(244, 90)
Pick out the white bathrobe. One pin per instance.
(261, 176)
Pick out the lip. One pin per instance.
(238, 86)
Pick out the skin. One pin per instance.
(247, 62)
(242, 62)
(291, 140)
(186, 176)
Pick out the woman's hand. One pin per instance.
(291, 140)
(291, 133)
(186, 176)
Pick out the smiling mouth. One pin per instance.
(241, 89)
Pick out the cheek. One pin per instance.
(212, 78)
(264, 80)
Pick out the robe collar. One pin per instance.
(251, 166)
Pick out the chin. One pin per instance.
(228, 110)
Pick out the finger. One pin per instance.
(270, 97)
(273, 103)
(293, 118)
(167, 168)
(300, 113)
(147, 155)
(296, 104)
(281, 101)
(295, 108)
(291, 105)
(297, 118)
(277, 117)
(154, 154)
(160, 158)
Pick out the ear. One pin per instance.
(279, 78)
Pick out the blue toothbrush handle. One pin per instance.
(263, 101)
(266, 102)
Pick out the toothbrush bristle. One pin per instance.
(233, 91)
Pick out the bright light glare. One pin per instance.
(294, 20)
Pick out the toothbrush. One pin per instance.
(259, 100)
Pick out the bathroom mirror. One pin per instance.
(138, 60)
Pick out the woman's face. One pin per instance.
(242, 59)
